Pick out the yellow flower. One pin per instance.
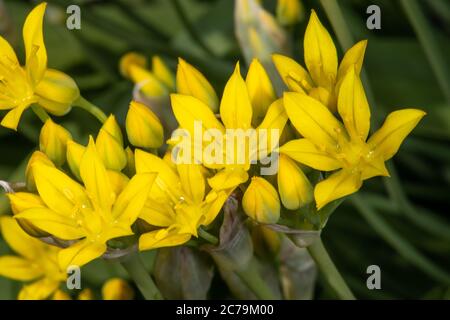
(328, 144)
(261, 202)
(192, 82)
(178, 203)
(117, 289)
(35, 262)
(34, 83)
(86, 294)
(236, 113)
(143, 127)
(91, 214)
(289, 12)
(53, 141)
(61, 295)
(324, 77)
(157, 82)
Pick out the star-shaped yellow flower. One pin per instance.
(322, 78)
(34, 83)
(91, 214)
(35, 263)
(329, 145)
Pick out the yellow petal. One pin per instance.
(95, 178)
(18, 240)
(192, 181)
(228, 178)
(117, 289)
(159, 214)
(144, 129)
(8, 52)
(129, 59)
(110, 151)
(192, 82)
(353, 57)
(49, 221)
(162, 238)
(80, 253)
(150, 85)
(260, 90)
(320, 53)
(313, 120)
(293, 74)
(53, 141)
(118, 181)
(235, 106)
(74, 155)
(275, 119)
(37, 156)
(387, 140)
(353, 106)
(188, 109)
(131, 201)
(162, 72)
(130, 168)
(12, 118)
(373, 168)
(36, 54)
(167, 185)
(21, 201)
(57, 91)
(59, 192)
(294, 187)
(304, 151)
(338, 185)
(261, 202)
(38, 290)
(19, 269)
(214, 202)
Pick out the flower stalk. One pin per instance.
(252, 278)
(91, 108)
(135, 268)
(329, 271)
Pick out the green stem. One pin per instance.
(207, 236)
(135, 268)
(40, 112)
(329, 271)
(252, 278)
(91, 108)
(429, 44)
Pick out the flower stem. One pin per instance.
(207, 236)
(40, 112)
(252, 278)
(135, 268)
(328, 270)
(91, 108)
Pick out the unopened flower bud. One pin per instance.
(53, 141)
(261, 202)
(143, 127)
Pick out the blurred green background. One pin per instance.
(401, 223)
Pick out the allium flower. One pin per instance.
(20, 86)
(90, 215)
(323, 77)
(35, 262)
(178, 203)
(329, 145)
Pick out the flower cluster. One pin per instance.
(92, 199)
